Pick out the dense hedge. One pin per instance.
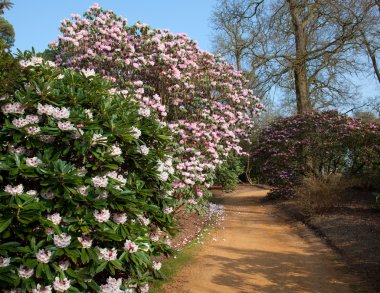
(317, 143)
(85, 188)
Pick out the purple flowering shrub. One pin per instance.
(205, 102)
(85, 196)
(317, 143)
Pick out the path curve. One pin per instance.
(256, 251)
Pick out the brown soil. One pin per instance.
(351, 229)
(256, 251)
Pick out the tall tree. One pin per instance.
(7, 33)
(300, 46)
(4, 4)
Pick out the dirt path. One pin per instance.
(256, 251)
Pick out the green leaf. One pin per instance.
(4, 224)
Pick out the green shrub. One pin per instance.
(85, 195)
(227, 174)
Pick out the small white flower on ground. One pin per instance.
(100, 181)
(85, 242)
(62, 240)
(4, 261)
(102, 216)
(25, 272)
(144, 150)
(43, 256)
(135, 132)
(130, 246)
(14, 190)
(61, 285)
(156, 265)
(119, 218)
(55, 218)
(107, 254)
(33, 162)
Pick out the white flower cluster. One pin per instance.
(107, 254)
(102, 216)
(130, 246)
(36, 61)
(145, 112)
(14, 190)
(4, 261)
(29, 119)
(61, 285)
(43, 256)
(83, 190)
(33, 162)
(13, 108)
(143, 220)
(112, 286)
(167, 210)
(56, 112)
(89, 114)
(135, 132)
(115, 151)
(98, 139)
(40, 289)
(100, 181)
(62, 240)
(55, 218)
(117, 177)
(88, 72)
(156, 265)
(119, 218)
(25, 272)
(66, 126)
(164, 169)
(85, 242)
(144, 150)
(33, 130)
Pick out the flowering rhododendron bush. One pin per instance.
(203, 100)
(317, 143)
(85, 196)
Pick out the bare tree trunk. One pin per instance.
(300, 66)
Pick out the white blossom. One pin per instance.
(33, 162)
(85, 242)
(112, 286)
(83, 190)
(119, 218)
(61, 285)
(102, 216)
(99, 181)
(130, 246)
(98, 138)
(14, 190)
(55, 218)
(13, 108)
(33, 130)
(62, 240)
(4, 261)
(25, 272)
(66, 126)
(43, 256)
(145, 112)
(107, 254)
(64, 265)
(144, 150)
(156, 265)
(115, 151)
(88, 72)
(40, 289)
(135, 132)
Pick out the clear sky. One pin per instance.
(36, 22)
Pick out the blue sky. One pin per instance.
(36, 22)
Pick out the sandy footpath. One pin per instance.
(254, 250)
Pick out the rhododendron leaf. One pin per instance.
(101, 267)
(4, 224)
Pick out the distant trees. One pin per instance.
(7, 33)
(307, 48)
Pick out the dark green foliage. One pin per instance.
(227, 174)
